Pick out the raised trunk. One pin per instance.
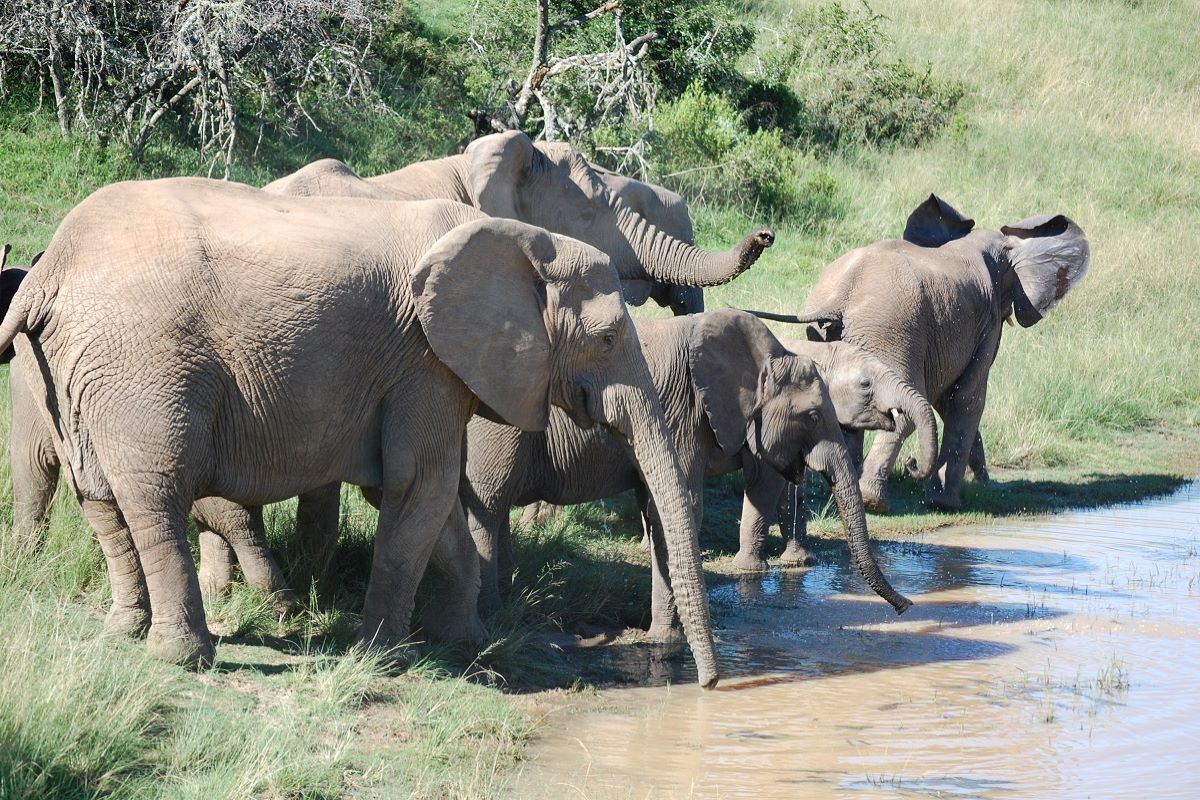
(649, 251)
(902, 396)
(638, 414)
(850, 508)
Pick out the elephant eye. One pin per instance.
(813, 416)
(609, 340)
(865, 383)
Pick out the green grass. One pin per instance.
(1087, 108)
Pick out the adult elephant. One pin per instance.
(867, 395)
(734, 399)
(932, 306)
(645, 231)
(198, 338)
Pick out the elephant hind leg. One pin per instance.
(318, 513)
(130, 610)
(453, 614)
(216, 564)
(236, 534)
(977, 461)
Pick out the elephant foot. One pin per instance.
(874, 495)
(981, 475)
(285, 604)
(666, 633)
(132, 621)
(451, 626)
(796, 555)
(180, 645)
(943, 502)
(397, 653)
(746, 561)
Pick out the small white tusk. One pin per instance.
(895, 412)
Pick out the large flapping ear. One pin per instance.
(1049, 255)
(497, 169)
(729, 351)
(481, 297)
(4, 255)
(935, 222)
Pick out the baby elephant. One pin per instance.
(734, 399)
(867, 395)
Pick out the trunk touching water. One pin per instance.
(638, 415)
(644, 250)
(902, 396)
(850, 508)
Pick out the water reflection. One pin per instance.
(1044, 658)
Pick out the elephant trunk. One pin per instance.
(902, 396)
(840, 474)
(638, 415)
(649, 251)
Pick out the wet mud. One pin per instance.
(1048, 658)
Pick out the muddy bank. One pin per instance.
(1044, 658)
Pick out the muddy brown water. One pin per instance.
(1048, 658)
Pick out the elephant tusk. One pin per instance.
(1008, 319)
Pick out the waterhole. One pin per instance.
(1044, 658)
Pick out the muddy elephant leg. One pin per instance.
(793, 524)
(764, 486)
(665, 625)
(878, 466)
(317, 516)
(240, 528)
(130, 610)
(453, 616)
(978, 460)
(216, 564)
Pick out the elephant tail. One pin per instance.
(18, 312)
(819, 317)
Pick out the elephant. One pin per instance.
(196, 338)
(932, 306)
(867, 395)
(734, 399)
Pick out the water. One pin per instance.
(1049, 658)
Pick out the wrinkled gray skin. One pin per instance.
(549, 184)
(181, 353)
(866, 395)
(734, 399)
(932, 307)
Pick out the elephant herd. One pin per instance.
(454, 338)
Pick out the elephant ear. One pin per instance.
(498, 166)
(1049, 255)
(728, 353)
(935, 222)
(481, 296)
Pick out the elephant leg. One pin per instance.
(453, 616)
(642, 497)
(241, 529)
(158, 523)
(422, 467)
(34, 469)
(487, 521)
(216, 564)
(130, 610)
(665, 625)
(764, 487)
(793, 524)
(539, 513)
(33, 462)
(961, 409)
(978, 460)
(878, 466)
(317, 515)
(855, 443)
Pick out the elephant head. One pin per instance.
(756, 394)
(10, 281)
(553, 186)
(1041, 258)
(553, 329)
(869, 395)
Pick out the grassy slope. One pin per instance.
(1086, 108)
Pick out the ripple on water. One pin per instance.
(1050, 658)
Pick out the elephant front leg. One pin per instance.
(318, 514)
(878, 466)
(962, 409)
(793, 525)
(130, 610)
(764, 487)
(453, 614)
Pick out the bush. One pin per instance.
(703, 149)
(845, 91)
